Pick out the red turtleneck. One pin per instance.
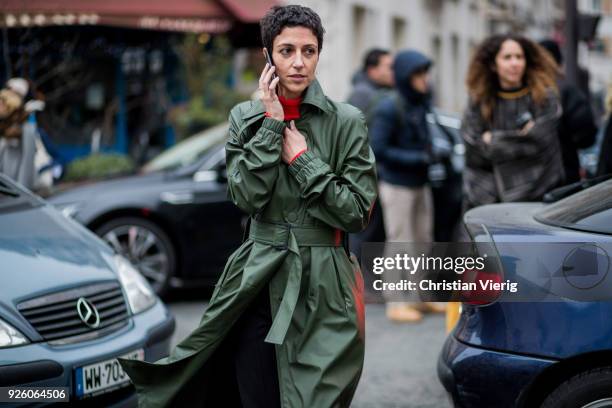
(291, 107)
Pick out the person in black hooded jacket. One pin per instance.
(605, 153)
(401, 144)
(576, 129)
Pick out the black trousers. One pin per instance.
(245, 363)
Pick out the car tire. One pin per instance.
(156, 247)
(590, 389)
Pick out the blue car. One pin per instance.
(69, 306)
(556, 352)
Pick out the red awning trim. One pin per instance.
(122, 8)
(195, 25)
(178, 15)
(211, 16)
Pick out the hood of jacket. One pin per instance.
(405, 64)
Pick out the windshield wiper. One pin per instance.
(8, 191)
(562, 192)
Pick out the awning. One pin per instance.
(249, 11)
(211, 16)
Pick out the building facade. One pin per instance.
(448, 31)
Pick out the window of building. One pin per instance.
(359, 33)
(398, 25)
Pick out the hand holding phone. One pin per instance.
(267, 85)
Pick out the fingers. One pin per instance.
(292, 124)
(266, 75)
(268, 87)
(273, 85)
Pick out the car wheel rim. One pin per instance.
(143, 249)
(602, 403)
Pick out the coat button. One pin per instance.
(292, 216)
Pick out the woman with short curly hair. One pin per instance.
(285, 324)
(510, 125)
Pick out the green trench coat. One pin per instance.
(294, 249)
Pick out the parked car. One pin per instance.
(539, 354)
(69, 306)
(174, 221)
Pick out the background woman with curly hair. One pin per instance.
(510, 125)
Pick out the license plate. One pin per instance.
(103, 376)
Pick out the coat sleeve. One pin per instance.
(382, 127)
(577, 119)
(344, 199)
(509, 145)
(605, 154)
(252, 165)
(472, 128)
(359, 98)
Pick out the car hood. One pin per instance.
(116, 186)
(44, 252)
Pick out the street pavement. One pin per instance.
(400, 361)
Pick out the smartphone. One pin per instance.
(523, 118)
(269, 60)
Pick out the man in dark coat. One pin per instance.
(577, 129)
(370, 85)
(605, 154)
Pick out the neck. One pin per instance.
(508, 86)
(285, 93)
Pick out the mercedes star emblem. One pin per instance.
(88, 313)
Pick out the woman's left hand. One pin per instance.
(293, 143)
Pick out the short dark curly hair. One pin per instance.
(279, 17)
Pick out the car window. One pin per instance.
(588, 210)
(216, 160)
(189, 150)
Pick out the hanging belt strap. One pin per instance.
(290, 237)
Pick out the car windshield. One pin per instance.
(589, 210)
(189, 150)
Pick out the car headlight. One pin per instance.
(139, 292)
(69, 210)
(10, 336)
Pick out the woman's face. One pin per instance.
(510, 64)
(295, 53)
